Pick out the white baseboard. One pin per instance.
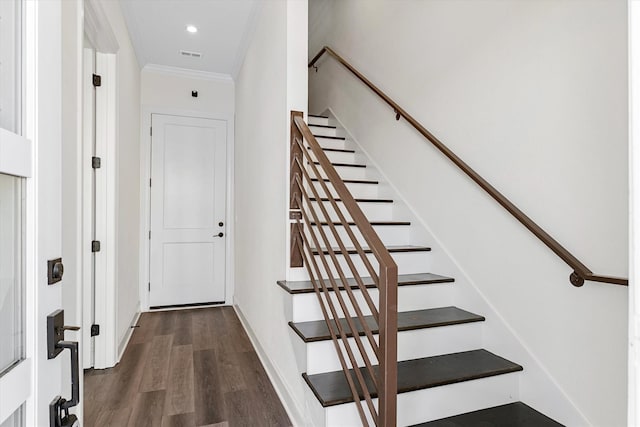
(127, 337)
(280, 386)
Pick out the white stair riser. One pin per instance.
(322, 357)
(334, 143)
(438, 402)
(318, 130)
(374, 211)
(306, 308)
(345, 172)
(390, 235)
(362, 191)
(408, 263)
(317, 120)
(337, 157)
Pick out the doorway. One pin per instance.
(99, 197)
(188, 205)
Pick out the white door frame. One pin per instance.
(145, 195)
(41, 123)
(88, 126)
(102, 38)
(633, 412)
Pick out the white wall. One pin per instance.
(128, 175)
(167, 89)
(270, 82)
(533, 95)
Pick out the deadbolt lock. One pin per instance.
(55, 271)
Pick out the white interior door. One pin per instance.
(188, 205)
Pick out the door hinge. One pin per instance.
(149, 234)
(95, 330)
(97, 80)
(150, 131)
(149, 286)
(95, 246)
(149, 182)
(96, 162)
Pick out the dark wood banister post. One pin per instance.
(295, 197)
(388, 358)
(387, 353)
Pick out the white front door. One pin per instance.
(30, 209)
(188, 194)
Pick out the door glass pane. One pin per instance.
(15, 419)
(10, 71)
(11, 271)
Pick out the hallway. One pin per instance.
(185, 368)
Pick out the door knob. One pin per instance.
(219, 234)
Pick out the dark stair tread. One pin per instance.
(323, 126)
(326, 199)
(337, 150)
(331, 388)
(330, 137)
(373, 223)
(306, 286)
(348, 165)
(318, 117)
(352, 181)
(392, 249)
(407, 321)
(515, 414)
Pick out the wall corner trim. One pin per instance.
(96, 25)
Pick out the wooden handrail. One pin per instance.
(580, 271)
(308, 164)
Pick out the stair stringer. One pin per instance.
(537, 386)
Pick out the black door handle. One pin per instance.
(75, 374)
(59, 408)
(221, 234)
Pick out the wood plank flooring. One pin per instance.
(187, 368)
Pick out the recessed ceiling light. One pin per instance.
(192, 29)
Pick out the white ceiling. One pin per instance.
(158, 32)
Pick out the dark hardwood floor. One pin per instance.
(186, 368)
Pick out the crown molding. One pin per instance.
(185, 72)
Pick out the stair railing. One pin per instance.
(580, 271)
(317, 193)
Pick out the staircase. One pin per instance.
(445, 376)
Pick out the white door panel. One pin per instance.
(16, 372)
(188, 193)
